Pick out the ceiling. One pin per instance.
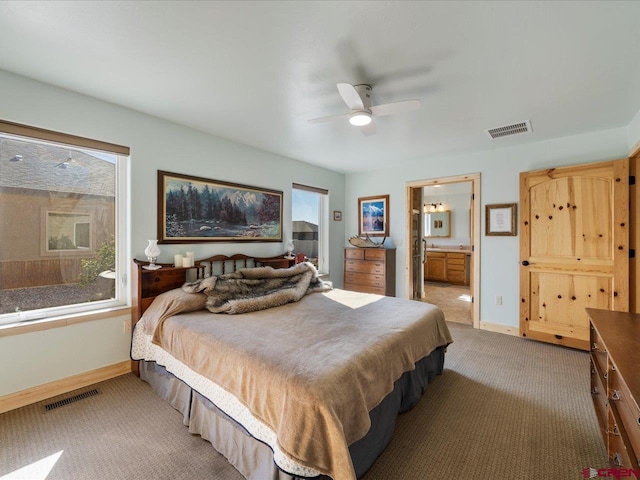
(255, 72)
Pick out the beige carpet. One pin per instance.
(505, 408)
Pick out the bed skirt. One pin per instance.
(253, 458)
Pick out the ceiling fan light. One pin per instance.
(360, 119)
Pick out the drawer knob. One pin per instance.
(595, 346)
(617, 459)
(606, 375)
(615, 395)
(594, 391)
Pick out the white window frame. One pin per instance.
(323, 225)
(121, 234)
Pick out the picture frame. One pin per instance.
(195, 209)
(337, 216)
(500, 219)
(373, 216)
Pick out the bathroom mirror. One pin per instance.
(436, 224)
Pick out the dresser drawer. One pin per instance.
(436, 255)
(627, 410)
(374, 254)
(364, 279)
(363, 266)
(599, 397)
(598, 351)
(456, 257)
(363, 288)
(354, 253)
(619, 453)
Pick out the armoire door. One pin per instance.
(574, 249)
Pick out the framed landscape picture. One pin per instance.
(195, 209)
(373, 216)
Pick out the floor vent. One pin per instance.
(521, 127)
(75, 398)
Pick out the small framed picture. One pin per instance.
(337, 216)
(373, 216)
(500, 219)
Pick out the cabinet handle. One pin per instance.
(615, 395)
(617, 459)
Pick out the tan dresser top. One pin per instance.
(620, 331)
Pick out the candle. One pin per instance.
(187, 262)
(177, 260)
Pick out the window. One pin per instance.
(309, 215)
(61, 241)
(67, 231)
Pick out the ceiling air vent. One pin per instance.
(520, 127)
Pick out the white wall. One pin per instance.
(45, 356)
(499, 171)
(633, 133)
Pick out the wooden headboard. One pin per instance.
(148, 284)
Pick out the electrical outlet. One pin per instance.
(498, 299)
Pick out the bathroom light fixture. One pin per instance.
(433, 207)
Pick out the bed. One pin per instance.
(305, 389)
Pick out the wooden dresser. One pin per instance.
(615, 383)
(370, 270)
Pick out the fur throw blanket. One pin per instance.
(251, 289)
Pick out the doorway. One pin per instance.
(450, 276)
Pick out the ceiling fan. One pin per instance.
(358, 99)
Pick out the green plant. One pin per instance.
(105, 259)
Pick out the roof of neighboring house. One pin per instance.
(43, 168)
(302, 226)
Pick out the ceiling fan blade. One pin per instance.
(330, 118)
(369, 129)
(350, 96)
(395, 107)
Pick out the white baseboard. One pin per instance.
(499, 328)
(59, 387)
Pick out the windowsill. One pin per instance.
(62, 321)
